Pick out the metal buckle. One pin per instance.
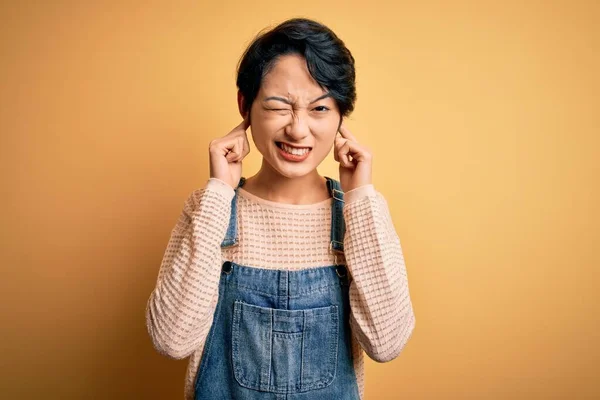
(343, 268)
(340, 198)
(334, 252)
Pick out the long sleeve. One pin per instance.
(382, 317)
(180, 308)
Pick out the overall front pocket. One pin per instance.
(284, 351)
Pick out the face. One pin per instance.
(291, 108)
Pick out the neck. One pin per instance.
(271, 185)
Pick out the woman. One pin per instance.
(275, 285)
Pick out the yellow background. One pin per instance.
(483, 119)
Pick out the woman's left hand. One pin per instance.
(355, 160)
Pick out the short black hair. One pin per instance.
(328, 60)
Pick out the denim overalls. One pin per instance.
(280, 334)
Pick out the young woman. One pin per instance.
(274, 285)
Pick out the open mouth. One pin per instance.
(293, 150)
(291, 153)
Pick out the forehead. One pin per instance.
(289, 77)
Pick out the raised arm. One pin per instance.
(180, 309)
(382, 317)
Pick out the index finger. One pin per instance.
(242, 126)
(346, 133)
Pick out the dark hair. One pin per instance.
(328, 60)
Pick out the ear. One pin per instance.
(241, 102)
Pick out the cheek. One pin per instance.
(326, 130)
(324, 142)
(262, 135)
(269, 122)
(323, 127)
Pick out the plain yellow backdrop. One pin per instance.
(483, 118)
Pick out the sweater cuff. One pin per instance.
(359, 193)
(222, 187)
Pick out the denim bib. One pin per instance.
(280, 334)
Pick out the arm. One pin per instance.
(382, 317)
(180, 309)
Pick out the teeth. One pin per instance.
(293, 150)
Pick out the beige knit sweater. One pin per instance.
(275, 235)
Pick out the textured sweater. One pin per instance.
(274, 235)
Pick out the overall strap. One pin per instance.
(338, 226)
(231, 237)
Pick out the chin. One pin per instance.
(296, 172)
(292, 170)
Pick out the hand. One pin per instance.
(355, 160)
(226, 154)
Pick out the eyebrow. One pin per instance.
(286, 101)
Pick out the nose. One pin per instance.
(298, 127)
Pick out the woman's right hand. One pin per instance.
(226, 154)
